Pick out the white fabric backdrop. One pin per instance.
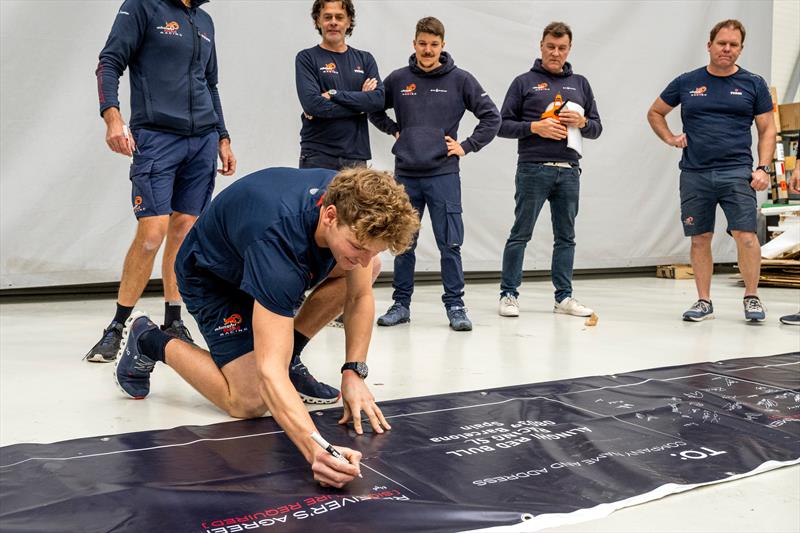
(64, 197)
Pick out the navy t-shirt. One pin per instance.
(258, 234)
(717, 113)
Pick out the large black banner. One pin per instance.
(542, 454)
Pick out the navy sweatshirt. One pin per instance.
(428, 106)
(173, 67)
(526, 100)
(338, 126)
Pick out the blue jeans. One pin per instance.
(536, 183)
(442, 195)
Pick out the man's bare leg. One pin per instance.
(233, 388)
(749, 256)
(702, 264)
(178, 228)
(138, 267)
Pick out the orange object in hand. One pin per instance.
(558, 106)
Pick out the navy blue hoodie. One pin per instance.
(526, 100)
(428, 106)
(338, 126)
(173, 67)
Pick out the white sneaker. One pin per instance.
(508, 306)
(571, 306)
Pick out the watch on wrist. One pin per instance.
(359, 368)
(765, 168)
(332, 92)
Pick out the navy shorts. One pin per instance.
(728, 187)
(223, 312)
(172, 172)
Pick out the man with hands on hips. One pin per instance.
(719, 103)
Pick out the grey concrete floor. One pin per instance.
(47, 394)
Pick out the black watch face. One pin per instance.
(359, 368)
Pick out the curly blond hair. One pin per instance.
(374, 206)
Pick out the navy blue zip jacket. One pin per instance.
(428, 106)
(173, 67)
(526, 100)
(338, 126)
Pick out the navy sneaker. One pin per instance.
(133, 368)
(459, 321)
(309, 389)
(700, 310)
(754, 310)
(396, 314)
(105, 351)
(178, 330)
(791, 320)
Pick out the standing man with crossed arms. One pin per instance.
(718, 105)
(176, 131)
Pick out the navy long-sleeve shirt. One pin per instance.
(170, 51)
(337, 127)
(428, 106)
(529, 96)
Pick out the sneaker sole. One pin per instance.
(404, 321)
(121, 350)
(335, 324)
(510, 315)
(692, 319)
(755, 319)
(98, 358)
(318, 401)
(560, 312)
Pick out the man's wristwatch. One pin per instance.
(765, 168)
(332, 92)
(359, 368)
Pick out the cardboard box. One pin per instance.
(775, 111)
(789, 116)
(675, 272)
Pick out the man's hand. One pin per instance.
(118, 138)
(329, 471)
(760, 180)
(572, 118)
(308, 117)
(356, 397)
(794, 181)
(370, 84)
(396, 135)
(678, 141)
(227, 158)
(549, 129)
(326, 95)
(454, 147)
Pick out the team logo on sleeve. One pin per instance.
(409, 90)
(329, 68)
(231, 325)
(541, 87)
(170, 28)
(700, 91)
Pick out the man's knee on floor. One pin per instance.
(246, 408)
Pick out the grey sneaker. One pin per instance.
(700, 310)
(459, 321)
(791, 320)
(396, 314)
(754, 310)
(508, 305)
